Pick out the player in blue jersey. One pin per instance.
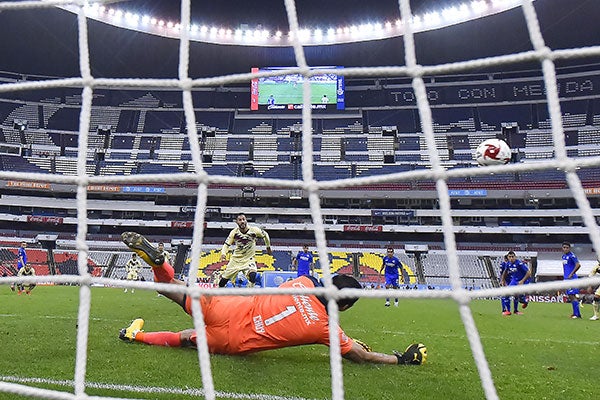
(391, 264)
(504, 281)
(303, 262)
(519, 275)
(21, 260)
(21, 256)
(570, 267)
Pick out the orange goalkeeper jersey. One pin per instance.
(247, 324)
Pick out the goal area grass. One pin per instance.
(542, 354)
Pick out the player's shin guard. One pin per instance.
(170, 339)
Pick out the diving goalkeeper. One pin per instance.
(261, 322)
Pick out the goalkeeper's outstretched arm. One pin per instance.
(359, 355)
(415, 354)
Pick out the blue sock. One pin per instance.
(576, 308)
(505, 304)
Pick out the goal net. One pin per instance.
(308, 184)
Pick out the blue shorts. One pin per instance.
(572, 292)
(391, 281)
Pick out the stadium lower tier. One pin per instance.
(478, 269)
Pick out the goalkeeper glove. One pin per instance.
(415, 354)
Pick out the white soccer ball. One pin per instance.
(493, 152)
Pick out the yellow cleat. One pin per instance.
(141, 246)
(128, 334)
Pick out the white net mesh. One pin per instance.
(311, 186)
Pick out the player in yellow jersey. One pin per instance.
(596, 271)
(244, 238)
(133, 267)
(165, 253)
(27, 270)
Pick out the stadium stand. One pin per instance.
(492, 117)
(143, 134)
(456, 119)
(167, 121)
(38, 258)
(404, 120)
(61, 118)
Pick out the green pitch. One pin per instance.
(540, 355)
(287, 93)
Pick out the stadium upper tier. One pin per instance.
(143, 131)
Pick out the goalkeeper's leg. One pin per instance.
(163, 271)
(134, 333)
(185, 338)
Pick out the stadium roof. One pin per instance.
(44, 41)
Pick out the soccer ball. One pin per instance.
(493, 152)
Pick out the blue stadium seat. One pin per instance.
(404, 120)
(123, 142)
(492, 117)
(65, 119)
(161, 121)
(214, 119)
(238, 143)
